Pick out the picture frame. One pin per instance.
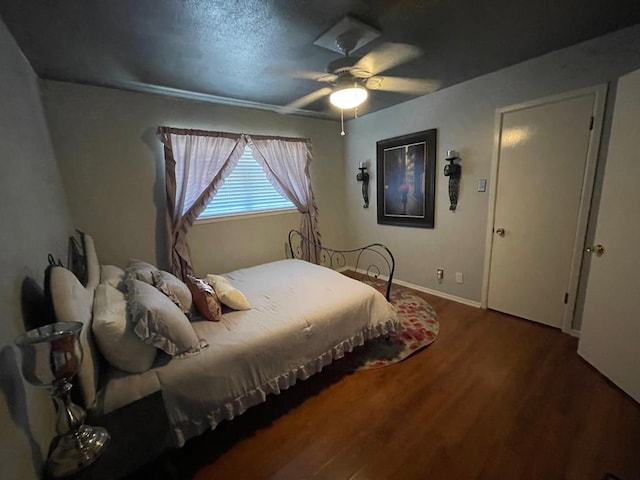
(405, 176)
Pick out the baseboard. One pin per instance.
(419, 288)
(573, 332)
(437, 293)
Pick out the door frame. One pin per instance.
(600, 92)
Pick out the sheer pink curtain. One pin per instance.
(196, 164)
(286, 163)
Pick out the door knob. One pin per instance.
(500, 232)
(597, 249)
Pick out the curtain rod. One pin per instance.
(209, 133)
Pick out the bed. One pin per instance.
(303, 316)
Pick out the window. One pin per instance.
(246, 190)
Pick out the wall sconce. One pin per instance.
(363, 177)
(453, 170)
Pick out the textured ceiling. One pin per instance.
(243, 49)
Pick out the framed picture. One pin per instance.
(406, 179)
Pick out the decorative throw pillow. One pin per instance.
(174, 288)
(205, 299)
(227, 293)
(141, 270)
(159, 322)
(211, 279)
(113, 332)
(112, 275)
(167, 283)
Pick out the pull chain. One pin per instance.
(355, 113)
(342, 121)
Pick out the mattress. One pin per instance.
(303, 317)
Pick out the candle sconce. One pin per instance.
(453, 170)
(363, 177)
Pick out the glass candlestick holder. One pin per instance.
(51, 357)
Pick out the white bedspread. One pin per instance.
(303, 316)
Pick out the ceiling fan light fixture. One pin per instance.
(351, 96)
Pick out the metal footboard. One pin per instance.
(374, 260)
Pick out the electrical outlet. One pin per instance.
(439, 274)
(459, 277)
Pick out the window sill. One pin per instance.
(244, 216)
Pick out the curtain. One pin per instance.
(196, 164)
(286, 163)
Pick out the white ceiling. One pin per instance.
(245, 49)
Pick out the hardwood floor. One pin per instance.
(494, 397)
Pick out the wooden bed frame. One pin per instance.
(377, 258)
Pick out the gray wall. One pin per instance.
(113, 170)
(35, 221)
(464, 116)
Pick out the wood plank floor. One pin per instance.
(495, 397)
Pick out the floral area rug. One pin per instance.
(420, 328)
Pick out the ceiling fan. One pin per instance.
(350, 78)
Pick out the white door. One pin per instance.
(544, 181)
(610, 334)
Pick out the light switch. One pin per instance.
(482, 185)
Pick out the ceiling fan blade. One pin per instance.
(403, 85)
(306, 100)
(277, 73)
(386, 56)
(317, 76)
(304, 74)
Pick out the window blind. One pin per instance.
(246, 190)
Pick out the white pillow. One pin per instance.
(174, 288)
(141, 270)
(227, 293)
(159, 322)
(72, 303)
(167, 283)
(112, 275)
(93, 265)
(113, 332)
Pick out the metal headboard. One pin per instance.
(378, 257)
